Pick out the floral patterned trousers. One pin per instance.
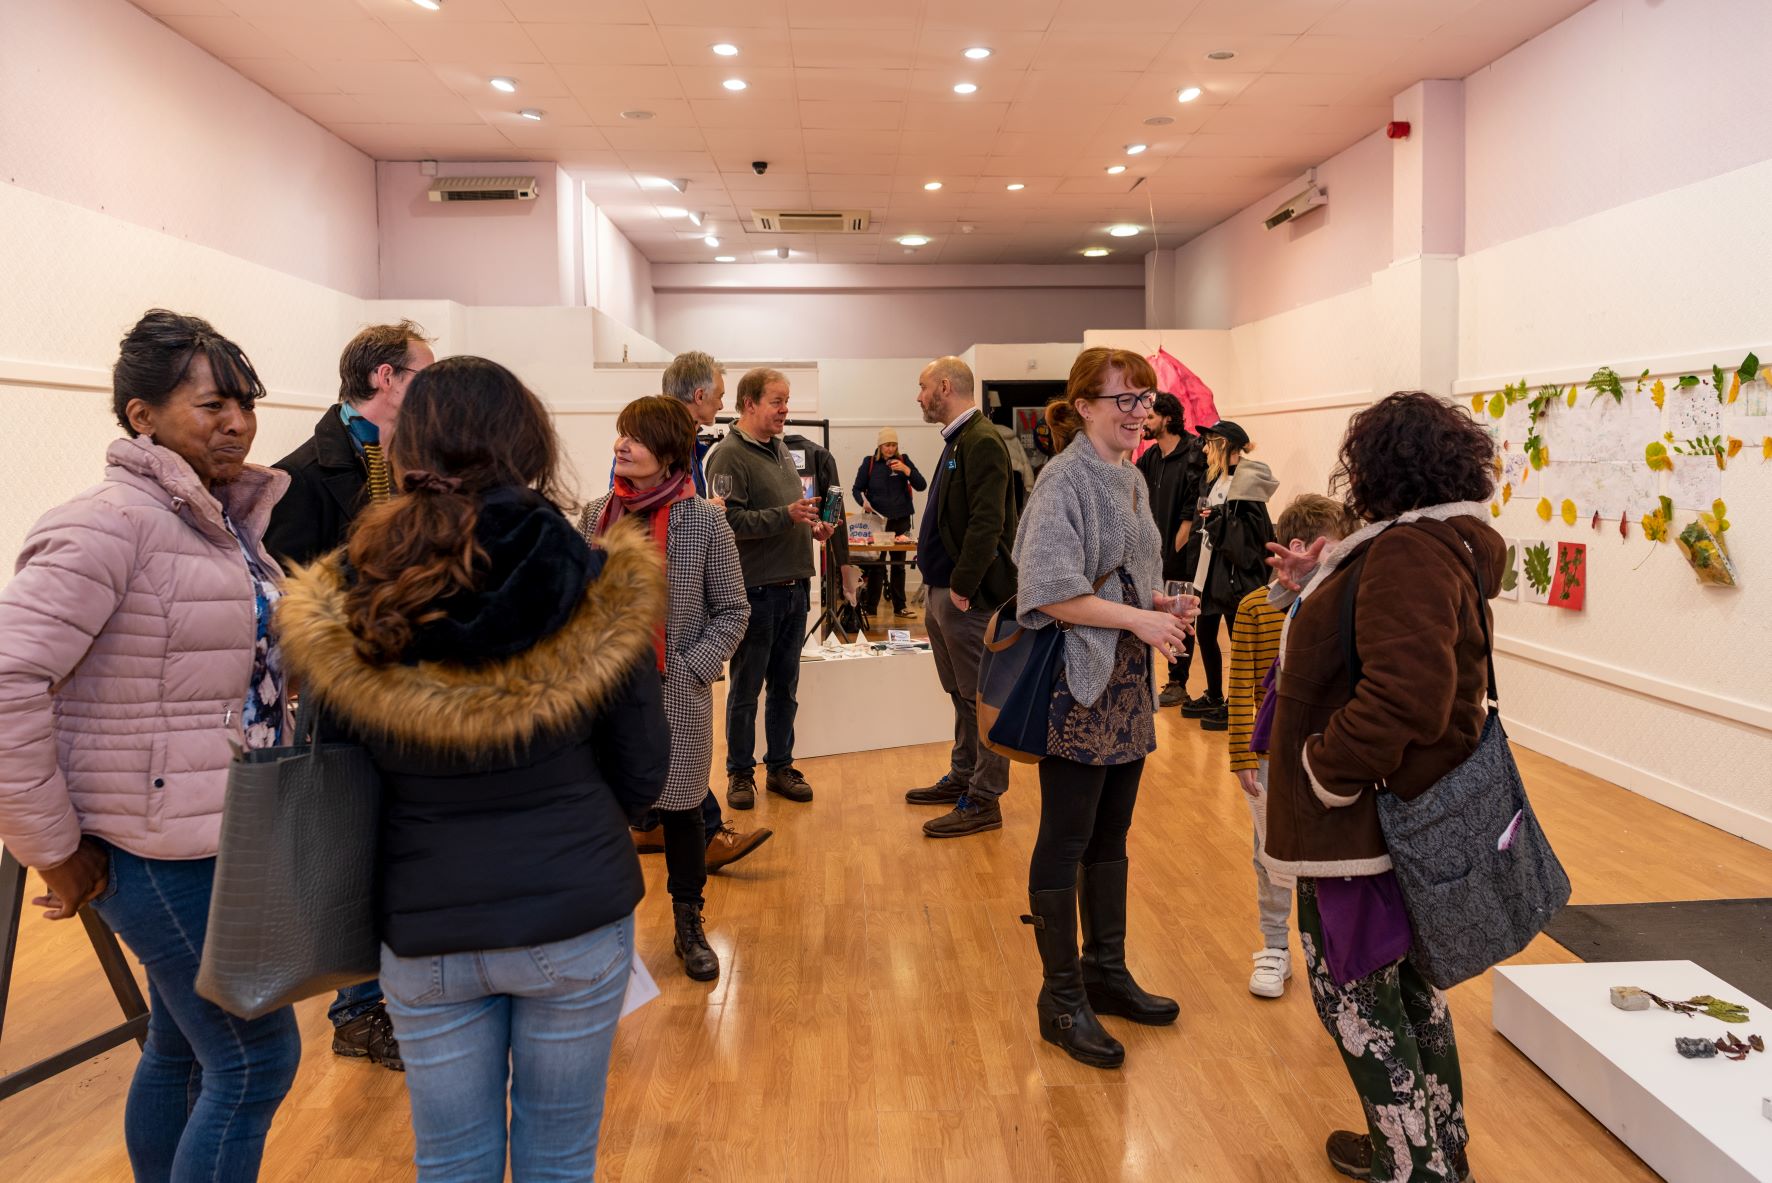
(1394, 1032)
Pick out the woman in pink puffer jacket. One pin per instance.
(134, 653)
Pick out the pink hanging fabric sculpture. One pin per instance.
(1197, 408)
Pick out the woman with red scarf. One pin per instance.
(654, 458)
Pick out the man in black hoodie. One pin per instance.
(1173, 467)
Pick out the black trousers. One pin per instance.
(1211, 654)
(686, 854)
(874, 574)
(1085, 812)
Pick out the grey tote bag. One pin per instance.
(293, 912)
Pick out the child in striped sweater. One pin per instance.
(1255, 646)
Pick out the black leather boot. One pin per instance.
(1065, 1017)
(699, 960)
(1101, 890)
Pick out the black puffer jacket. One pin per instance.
(520, 734)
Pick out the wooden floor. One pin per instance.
(875, 1017)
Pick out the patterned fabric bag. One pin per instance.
(1479, 877)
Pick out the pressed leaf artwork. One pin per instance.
(1659, 460)
(1605, 382)
(1688, 381)
(1596, 522)
(1478, 402)
(1766, 448)
(1569, 512)
(1735, 387)
(1497, 407)
(1507, 490)
(1703, 547)
(1734, 447)
(1722, 387)
(1495, 509)
(1749, 368)
(1658, 393)
(1510, 572)
(1536, 565)
(1571, 398)
(1569, 584)
(1624, 526)
(1655, 524)
(1544, 509)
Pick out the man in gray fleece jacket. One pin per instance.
(776, 526)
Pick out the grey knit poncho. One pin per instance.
(1085, 518)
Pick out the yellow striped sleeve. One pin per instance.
(1255, 642)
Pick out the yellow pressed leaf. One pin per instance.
(1507, 491)
(1766, 448)
(1734, 447)
(1494, 509)
(1735, 387)
(1658, 392)
(1655, 527)
(1544, 509)
(1498, 406)
(1540, 457)
(1569, 512)
(1571, 397)
(1722, 461)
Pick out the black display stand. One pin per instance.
(830, 591)
(110, 958)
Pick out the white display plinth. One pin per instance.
(1692, 1121)
(861, 704)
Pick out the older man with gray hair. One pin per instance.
(696, 379)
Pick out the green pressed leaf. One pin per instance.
(1688, 381)
(1497, 407)
(1749, 367)
(1510, 575)
(1538, 568)
(1716, 377)
(1605, 382)
(1716, 1008)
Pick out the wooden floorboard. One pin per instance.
(875, 1022)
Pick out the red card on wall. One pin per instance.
(1569, 585)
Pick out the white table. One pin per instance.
(861, 704)
(1692, 1121)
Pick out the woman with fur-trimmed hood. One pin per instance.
(501, 673)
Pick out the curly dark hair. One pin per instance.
(1409, 451)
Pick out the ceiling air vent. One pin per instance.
(779, 221)
(484, 189)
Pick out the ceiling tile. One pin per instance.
(860, 48)
(691, 45)
(260, 11)
(1124, 16)
(392, 11)
(606, 112)
(1269, 16)
(612, 12)
(949, 141)
(1361, 18)
(982, 15)
(284, 76)
(545, 141)
(748, 14)
(968, 117)
(735, 148)
(1077, 117)
(824, 14)
(665, 164)
(849, 166)
(392, 141)
(862, 116)
(851, 85)
(535, 80)
(650, 137)
(764, 83)
(1296, 90)
(558, 112)
(468, 40)
(1011, 50)
(1077, 51)
(613, 45)
(228, 36)
(404, 79)
(1057, 86)
(1312, 54)
(852, 143)
(630, 86)
(159, 8)
(746, 112)
(1186, 53)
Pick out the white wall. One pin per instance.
(624, 279)
(102, 106)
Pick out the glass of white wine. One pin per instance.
(1184, 597)
(722, 485)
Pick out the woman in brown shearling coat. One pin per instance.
(1420, 472)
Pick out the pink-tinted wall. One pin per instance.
(103, 107)
(1625, 99)
(474, 252)
(1241, 271)
(623, 279)
(863, 317)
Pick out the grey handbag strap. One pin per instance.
(1351, 652)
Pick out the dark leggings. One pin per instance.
(1085, 811)
(1211, 656)
(686, 854)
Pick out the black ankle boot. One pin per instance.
(1101, 890)
(1065, 1016)
(699, 959)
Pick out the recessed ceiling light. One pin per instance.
(1135, 149)
(636, 115)
(1159, 121)
(1115, 170)
(671, 211)
(531, 113)
(711, 240)
(978, 53)
(912, 240)
(1221, 55)
(1123, 230)
(508, 85)
(696, 216)
(965, 87)
(725, 258)
(1096, 252)
(932, 186)
(1187, 94)
(1015, 186)
(725, 49)
(429, 5)
(735, 84)
(782, 252)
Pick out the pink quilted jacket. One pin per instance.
(126, 643)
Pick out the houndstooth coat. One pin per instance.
(706, 620)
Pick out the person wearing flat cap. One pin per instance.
(1232, 530)
(883, 486)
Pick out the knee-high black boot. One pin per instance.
(1065, 1017)
(1101, 889)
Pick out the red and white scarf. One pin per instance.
(624, 499)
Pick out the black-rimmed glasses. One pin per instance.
(1142, 400)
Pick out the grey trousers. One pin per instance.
(957, 640)
(1274, 901)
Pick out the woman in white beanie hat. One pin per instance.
(883, 486)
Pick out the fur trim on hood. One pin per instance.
(548, 688)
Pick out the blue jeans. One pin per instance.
(208, 1083)
(353, 1002)
(768, 655)
(537, 1023)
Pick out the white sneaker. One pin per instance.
(1272, 968)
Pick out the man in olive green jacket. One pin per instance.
(963, 555)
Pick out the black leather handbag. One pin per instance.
(1016, 673)
(293, 912)
(1478, 875)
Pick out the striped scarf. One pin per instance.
(657, 501)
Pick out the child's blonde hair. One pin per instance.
(1312, 515)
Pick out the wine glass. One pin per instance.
(1184, 597)
(722, 485)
